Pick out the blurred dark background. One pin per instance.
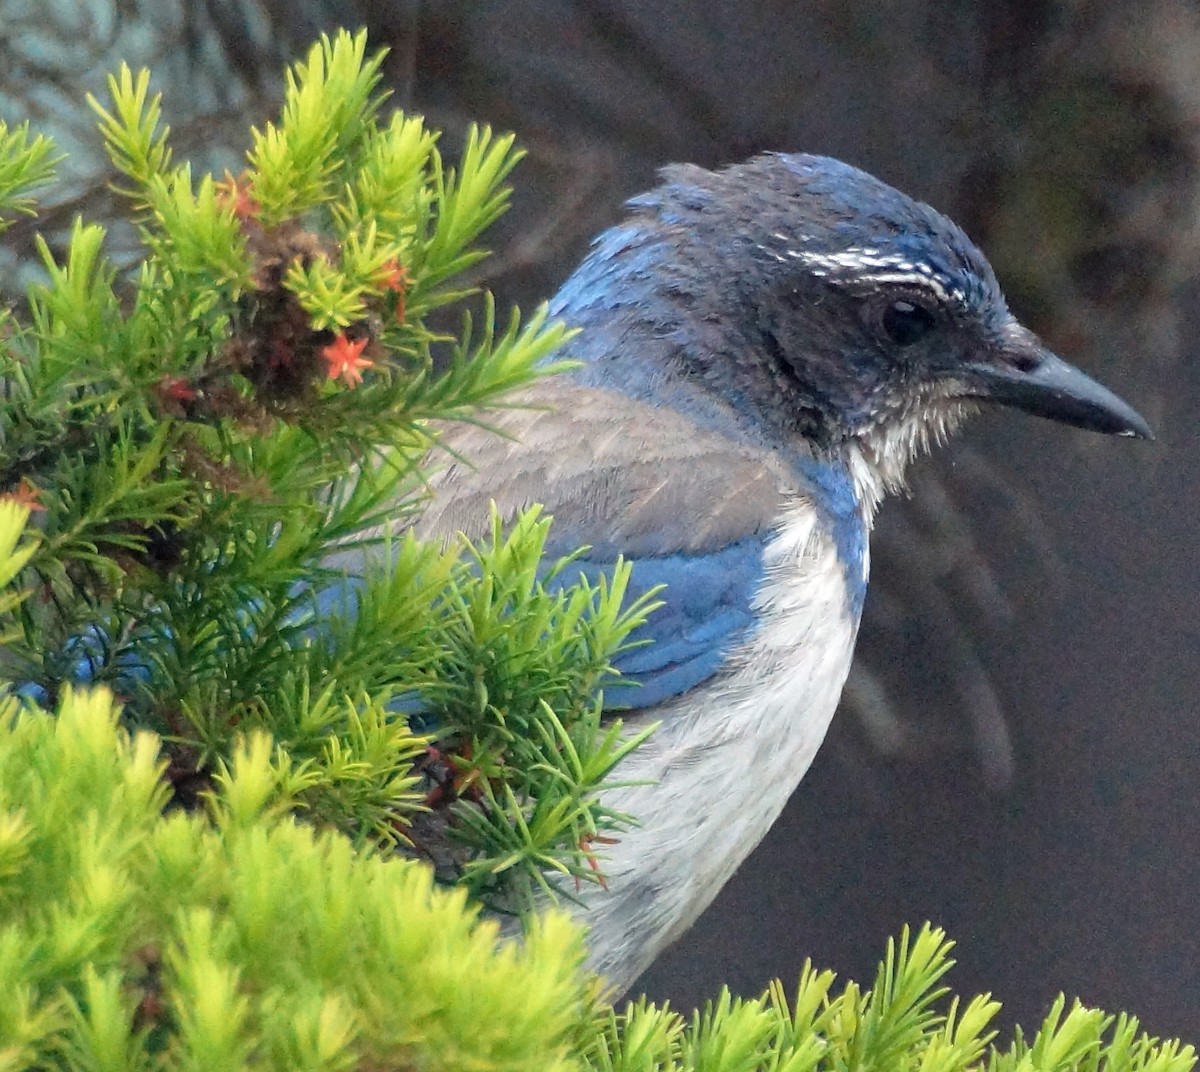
(1018, 758)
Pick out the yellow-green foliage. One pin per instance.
(239, 937)
(242, 938)
(24, 163)
(906, 1022)
(13, 518)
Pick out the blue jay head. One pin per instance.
(839, 309)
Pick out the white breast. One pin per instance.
(727, 756)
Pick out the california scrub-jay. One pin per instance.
(764, 350)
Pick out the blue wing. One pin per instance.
(690, 509)
(706, 610)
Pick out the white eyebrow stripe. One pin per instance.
(917, 279)
(772, 254)
(864, 262)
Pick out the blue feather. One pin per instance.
(834, 493)
(707, 611)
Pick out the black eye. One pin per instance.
(906, 322)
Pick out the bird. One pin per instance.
(763, 349)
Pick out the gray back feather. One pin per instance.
(621, 476)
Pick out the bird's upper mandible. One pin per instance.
(763, 350)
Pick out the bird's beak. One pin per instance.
(1019, 371)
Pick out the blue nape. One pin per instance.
(706, 612)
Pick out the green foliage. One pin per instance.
(24, 165)
(239, 937)
(330, 99)
(902, 1024)
(512, 633)
(225, 447)
(13, 518)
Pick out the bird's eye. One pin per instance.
(906, 322)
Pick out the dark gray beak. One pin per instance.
(1020, 372)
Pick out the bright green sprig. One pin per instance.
(335, 296)
(332, 299)
(136, 144)
(521, 657)
(25, 164)
(366, 256)
(468, 199)
(14, 556)
(205, 237)
(485, 365)
(329, 103)
(348, 765)
(390, 188)
(515, 631)
(77, 313)
(197, 229)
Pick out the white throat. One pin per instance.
(878, 456)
